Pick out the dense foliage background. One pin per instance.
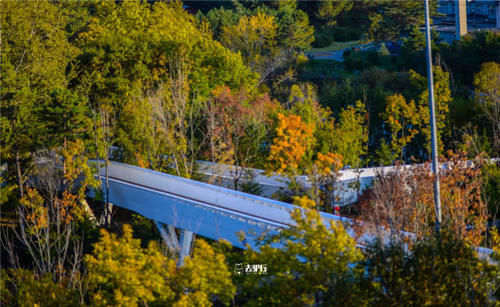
(162, 84)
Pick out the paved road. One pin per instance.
(334, 55)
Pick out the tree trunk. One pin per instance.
(19, 175)
(97, 150)
(109, 207)
(64, 164)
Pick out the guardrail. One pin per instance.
(211, 211)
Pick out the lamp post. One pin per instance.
(435, 162)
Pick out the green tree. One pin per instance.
(204, 278)
(403, 120)
(496, 256)
(382, 50)
(309, 263)
(65, 118)
(219, 18)
(409, 122)
(138, 133)
(122, 273)
(135, 50)
(294, 31)
(348, 136)
(491, 188)
(462, 54)
(487, 95)
(391, 18)
(443, 98)
(351, 137)
(269, 37)
(22, 288)
(413, 47)
(35, 59)
(328, 10)
(443, 271)
(303, 102)
(384, 154)
(236, 128)
(255, 38)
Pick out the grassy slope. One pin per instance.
(335, 46)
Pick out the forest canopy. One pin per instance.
(168, 86)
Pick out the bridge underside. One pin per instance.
(188, 215)
(190, 207)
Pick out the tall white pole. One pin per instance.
(435, 162)
(460, 18)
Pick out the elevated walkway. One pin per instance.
(199, 208)
(196, 207)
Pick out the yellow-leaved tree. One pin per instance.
(122, 273)
(255, 38)
(403, 120)
(409, 122)
(443, 98)
(49, 214)
(348, 136)
(487, 94)
(496, 256)
(323, 175)
(310, 263)
(308, 141)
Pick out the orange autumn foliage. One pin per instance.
(402, 200)
(291, 144)
(37, 214)
(326, 164)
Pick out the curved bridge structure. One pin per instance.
(195, 207)
(199, 208)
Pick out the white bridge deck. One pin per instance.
(208, 210)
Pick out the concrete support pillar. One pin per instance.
(461, 18)
(169, 236)
(186, 245)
